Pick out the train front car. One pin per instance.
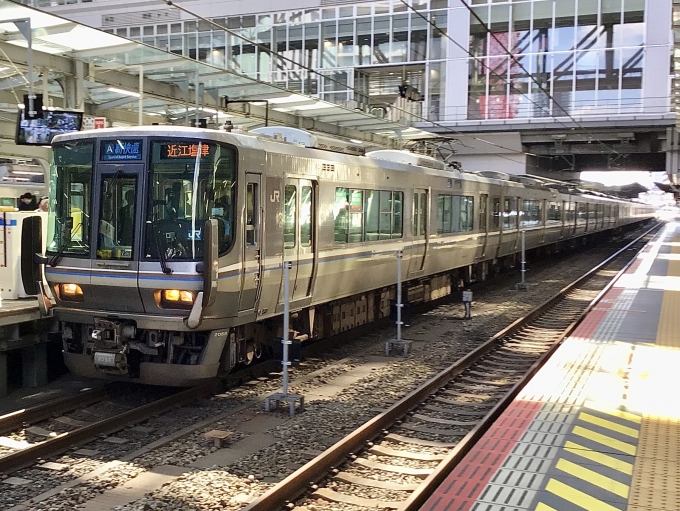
(138, 218)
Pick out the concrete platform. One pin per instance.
(598, 428)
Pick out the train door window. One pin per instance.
(466, 214)
(415, 214)
(341, 216)
(423, 213)
(116, 217)
(496, 214)
(356, 216)
(251, 214)
(290, 216)
(306, 216)
(483, 199)
(443, 214)
(398, 217)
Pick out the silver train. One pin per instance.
(165, 245)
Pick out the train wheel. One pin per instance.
(258, 350)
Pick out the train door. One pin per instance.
(299, 235)
(118, 237)
(483, 223)
(419, 230)
(251, 270)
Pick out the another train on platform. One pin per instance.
(166, 245)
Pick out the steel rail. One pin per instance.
(18, 418)
(26, 457)
(295, 484)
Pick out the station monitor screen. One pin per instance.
(42, 131)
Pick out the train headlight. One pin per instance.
(70, 292)
(176, 298)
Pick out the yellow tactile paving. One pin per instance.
(578, 497)
(656, 474)
(674, 264)
(585, 474)
(597, 421)
(598, 457)
(668, 331)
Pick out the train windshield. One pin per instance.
(70, 186)
(189, 182)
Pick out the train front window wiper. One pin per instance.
(161, 253)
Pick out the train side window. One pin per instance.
(372, 212)
(581, 212)
(290, 216)
(382, 215)
(340, 214)
(496, 214)
(530, 214)
(385, 228)
(554, 212)
(306, 216)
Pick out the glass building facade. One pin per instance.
(571, 58)
(482, 61)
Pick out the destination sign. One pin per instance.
(184, 150)
(121, 150)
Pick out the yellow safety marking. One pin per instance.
(669, 319)
(598, 457)
(615, 413)
(578, 497)
(592, 477)
(604, 423)
(605, 440)
(544, 507)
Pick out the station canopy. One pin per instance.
(107, 57)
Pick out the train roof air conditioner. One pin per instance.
(493, 174)
(309, 139)
(407, 158)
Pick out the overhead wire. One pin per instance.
(274, 53)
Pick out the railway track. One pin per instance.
(52, 427)
(395, 460)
